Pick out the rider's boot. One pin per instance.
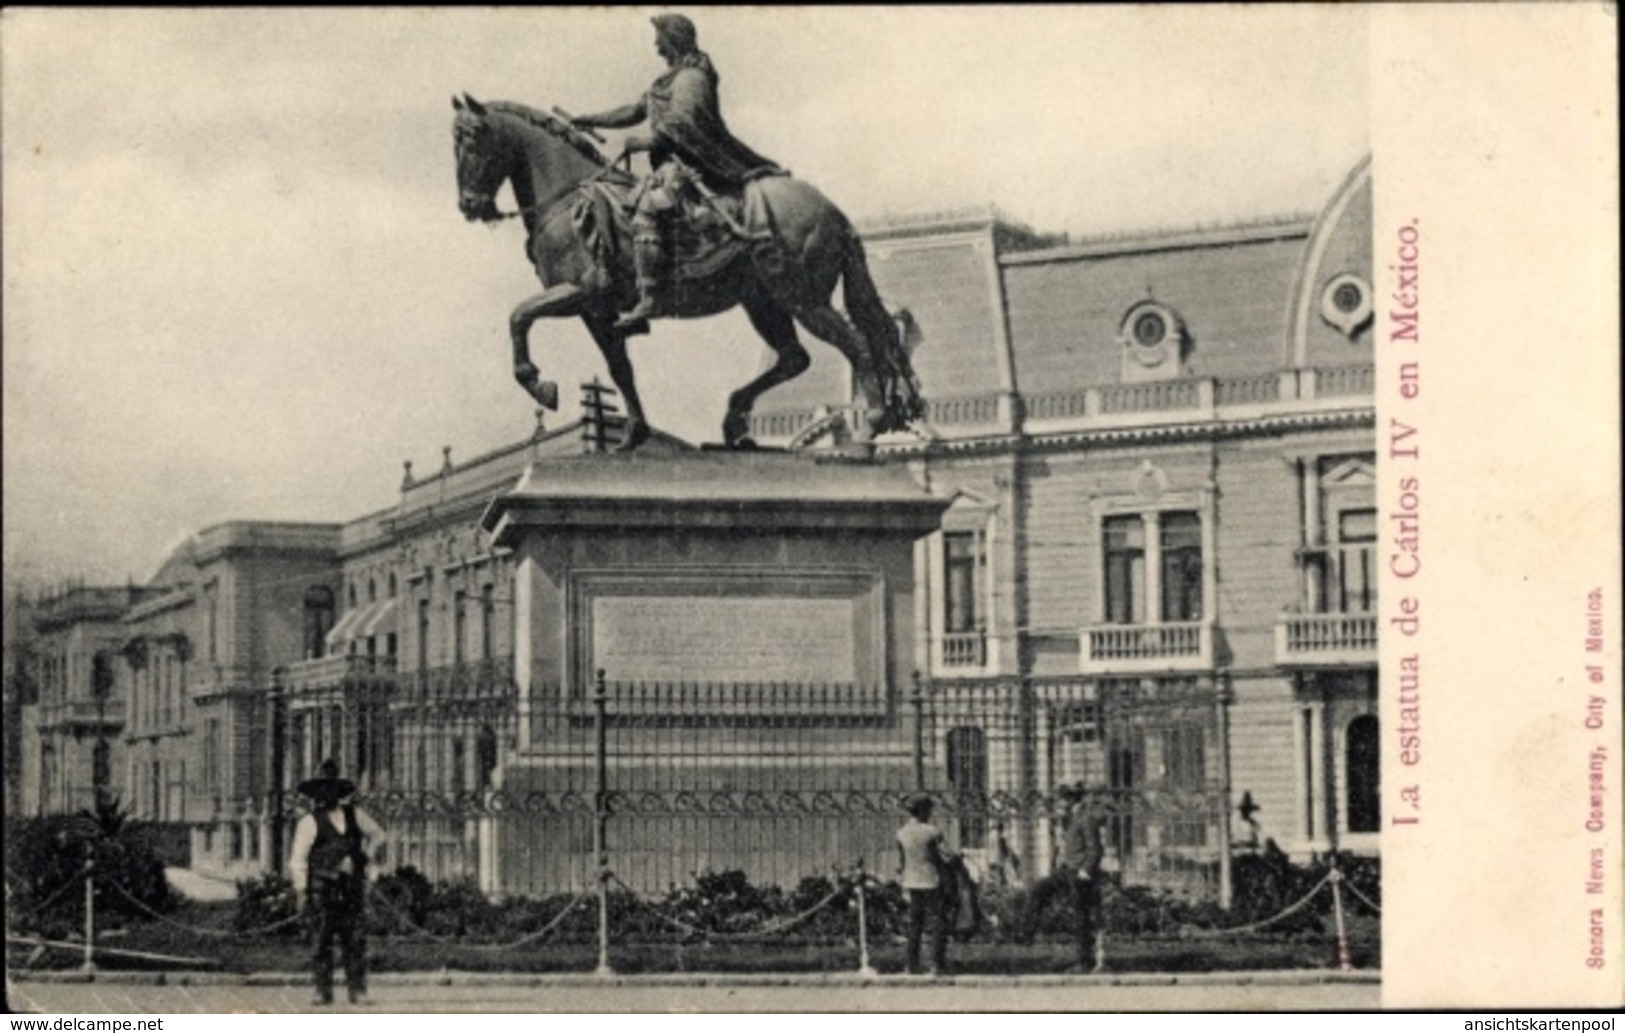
(646, 258)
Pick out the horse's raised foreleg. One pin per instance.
(829, 325)
(778, 329)
(561, 300)
(612, 343)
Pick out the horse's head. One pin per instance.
(480, 168)
(502, 141)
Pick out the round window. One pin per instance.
(1345, 303)
(1347, 297)
(1150, 329)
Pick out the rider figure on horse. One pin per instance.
(687, 137)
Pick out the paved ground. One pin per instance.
(698, 993)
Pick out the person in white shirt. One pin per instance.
(921, 864)
(333, 846)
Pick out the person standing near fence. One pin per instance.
(332, 848)
(1077, 873)
(922, 870)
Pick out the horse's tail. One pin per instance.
(888, 349)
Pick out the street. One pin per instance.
(1263, 992)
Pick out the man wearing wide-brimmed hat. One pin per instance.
(332, 848)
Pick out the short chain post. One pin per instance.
(600, 843)
(1222, 698)
(864, 966)
(88, 966)
(1344, 962)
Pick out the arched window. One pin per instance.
(1362, 804)
(318, 620)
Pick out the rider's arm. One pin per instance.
(614, 118)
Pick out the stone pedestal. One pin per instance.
(753, 615)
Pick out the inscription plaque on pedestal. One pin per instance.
(733, 628)
(724, 640)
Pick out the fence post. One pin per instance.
(917, 701)
(600, 807)
(88, 966)
(279, 762)
(1027, 777)
(1221, 706)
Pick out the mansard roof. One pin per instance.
(1005, 309)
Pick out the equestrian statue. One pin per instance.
(712, 225)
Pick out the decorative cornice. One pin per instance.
(1203, 430)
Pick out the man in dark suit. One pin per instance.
(1077, 872)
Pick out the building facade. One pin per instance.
(1155, 573)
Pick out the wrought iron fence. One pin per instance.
(538, 793)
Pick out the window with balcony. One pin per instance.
(1170, 584)
(1124, 547)
(1353, 570)
(964, 624)
(1181, 567)
(1340, 531)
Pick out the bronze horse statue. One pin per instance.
(791, 247)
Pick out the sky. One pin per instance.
(237, 285)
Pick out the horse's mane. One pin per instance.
(551, 125)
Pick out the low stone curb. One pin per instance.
(1302, 977)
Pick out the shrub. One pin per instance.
(267, 904)
(401, 901)
(723, 902)
(45, 866)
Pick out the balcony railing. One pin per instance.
(330, 670)
(1116, 406)
(1320, 639)
(964, 649)
(82, 713)
(471, 678)
(1139, 648)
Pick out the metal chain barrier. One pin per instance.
(73, 883)
(769, 930)
(545, 931)
(1291, 909)
(221, 933)
(1361, 897)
